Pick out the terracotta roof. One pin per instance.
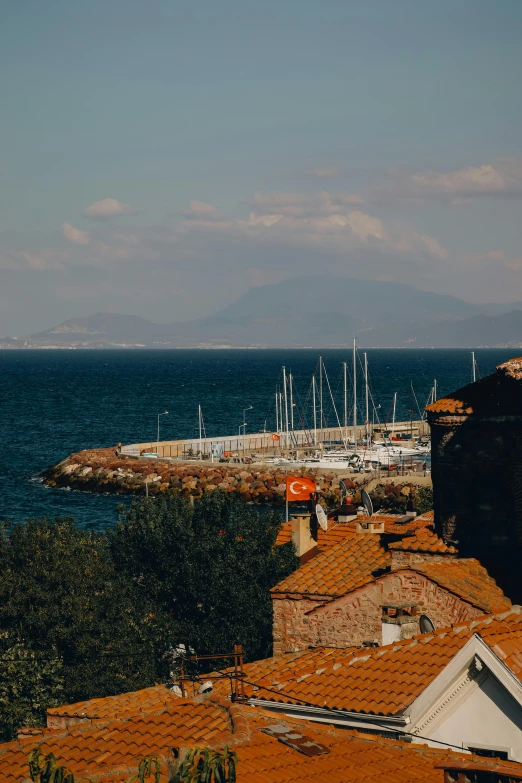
(468, 579)
(339, 569)
(338, 531)
(360, 557)
(423, 540)
(382, 680)
(494, 394)
(110, 751)
(154, 699)
(118, 745)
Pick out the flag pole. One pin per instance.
(286, 492)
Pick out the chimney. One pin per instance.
(305, 545)
(399, 621)
(368, 525)
(346, 513)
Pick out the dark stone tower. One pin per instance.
(476, 452)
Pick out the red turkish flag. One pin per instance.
(299, 488)
(275, 437)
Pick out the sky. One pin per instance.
(161, 157)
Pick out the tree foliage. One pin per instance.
(424, 499)
(86, 614)
(71, 627)
(209, 568)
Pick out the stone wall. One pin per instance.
(477, 492)
(300, 622)
(291, 624)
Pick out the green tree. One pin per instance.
(424, 499)
(210, 568)
(28, 685)
(63, 601)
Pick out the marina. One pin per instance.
(348, 445)
(57, 403)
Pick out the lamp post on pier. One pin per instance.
(244, 424)
(165, 413)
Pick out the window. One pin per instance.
(490, 753)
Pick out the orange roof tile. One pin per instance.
(379, 681)
(110, 751)
(154, 699)
(120, 744)
(339, 569)
(352, 563)
(468, 579)
(423, 540)
(338, 531)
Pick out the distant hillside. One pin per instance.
(317, 311)
(102, 327)
(480, 331)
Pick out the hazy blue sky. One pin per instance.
(159, 157)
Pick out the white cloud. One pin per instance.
(43, 260)
(321, 172)
(498, 256)
(107, 208)
(200, 210)
(459, 186)
(324, 222)
(75, 235)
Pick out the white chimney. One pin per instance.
(399, 621)
(301, 536)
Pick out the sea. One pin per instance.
(55, 402)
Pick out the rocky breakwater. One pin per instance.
(101, 470)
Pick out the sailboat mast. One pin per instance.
(321, 424)
(473, 371)
(411, 409)
(435, 390)
(345, 384)
(291, 404)
(277, 410)
(394, 409)
(355, 394)
(199, 415)
(315, 411)
(286, 405)
(366, 385)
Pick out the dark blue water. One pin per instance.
(57, 402)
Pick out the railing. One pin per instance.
(259, 442)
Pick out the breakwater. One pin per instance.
(102, 470)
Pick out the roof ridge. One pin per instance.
(239, 725)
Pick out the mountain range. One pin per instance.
(318, 311)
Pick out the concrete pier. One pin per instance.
(265, 442)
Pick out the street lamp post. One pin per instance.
(239, 434)
(165, 413)
(245, 423)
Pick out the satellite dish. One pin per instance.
(425, 624)
(367, 502)
(321, 516)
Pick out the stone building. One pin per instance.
(477, 471)
(389, 581)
